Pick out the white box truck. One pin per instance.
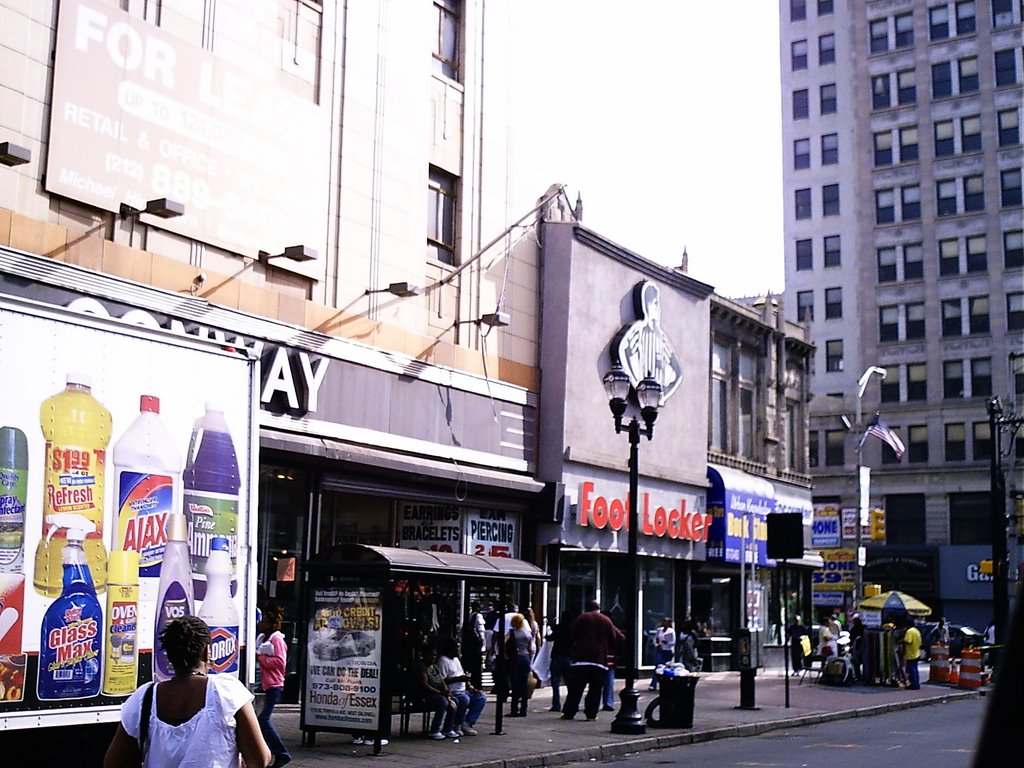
(126, 456)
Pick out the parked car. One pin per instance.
(960, 636)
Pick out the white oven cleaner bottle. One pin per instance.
(218, 609)
(174, 594)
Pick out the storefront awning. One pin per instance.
(791, 499)
(738, 504)
(406, 563)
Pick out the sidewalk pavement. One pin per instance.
(543, 739)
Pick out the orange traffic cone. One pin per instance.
(954, 673)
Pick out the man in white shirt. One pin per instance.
(469, 700)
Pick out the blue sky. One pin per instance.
(665, 116)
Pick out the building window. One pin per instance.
(970, 134)
(981, 377)
(833, 303)
(878, 31)
(804, 255)
(913, 261)
(824, 7)
(906, 87)
(965, 23)
(978, 314)
(802, 198)
(915, 320)
(981, 437)
(880, 95)
(830, 199)
(885, 206)
(830, 149)
(1009, 127)
(812, 448)
(834, 355)
(1013, 249)
(977, 254)
(886, 265)
(968, 72)
(805, 306)
(945, 193)
(910, 202)
(441, 216)
(956, 443)
(1006, 67)
(974, 193)
(835, 444)
(747, 403)
(1010, 186)
(904, 30)
(798, 54)
(721, 371)
(949, 257)
(917, 449)
(952, 317)
(942, 80)
(801, 154)
(833, 257)
(790, 428)
(446, 48)
(969, 517)
(889, 389)
(1002, 13)
(829, 100)
(938, 23)
(908, 144)
(944, 138)
(801, 104)
(883, 148)
(917, 382)
(953, 379)
(826, 49)
(888, 324)
(797, 10)
(1015, 311)
(905, 517)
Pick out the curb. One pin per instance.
(620, 749)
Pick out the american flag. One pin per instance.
(878, 429)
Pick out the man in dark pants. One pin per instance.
(593, 639)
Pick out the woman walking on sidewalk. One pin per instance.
(272, 656)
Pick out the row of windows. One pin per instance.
(950, 137)
(826, 52)
(956, 256)
(798, 9)
(827, 101)
(829, 153)
(1006, 72)
(829, 201)
(952, 197)
(833, 305)
(915, 437)
(944, 21)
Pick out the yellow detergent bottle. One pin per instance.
(122, 664)
(77, 430)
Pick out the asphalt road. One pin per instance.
(938, 736)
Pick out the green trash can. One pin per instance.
(673, 708)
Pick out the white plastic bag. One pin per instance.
(542, 662)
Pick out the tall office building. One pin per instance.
(903, 246)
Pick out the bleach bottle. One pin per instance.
(147, 487)
(71, 635)
(174, 593)
(211, 483)
(219, 610)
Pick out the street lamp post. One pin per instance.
(999, 422)
(648, 391)
(862, 384)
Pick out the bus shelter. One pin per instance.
(366, 613)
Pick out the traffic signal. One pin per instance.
(877, 525)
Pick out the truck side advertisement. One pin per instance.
(125, 501)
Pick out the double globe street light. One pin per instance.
(648, 391)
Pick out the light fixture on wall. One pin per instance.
(162, 208)
(495, 319)
(402, 290)
(295, 253)
(13, 154)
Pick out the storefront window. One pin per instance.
(349, 518)
(656, 601)
(721, 609)
(578, 580)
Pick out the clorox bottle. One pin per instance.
(71, 635)
(219, 610)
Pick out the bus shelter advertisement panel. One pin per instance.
(343, 669)
(103, 443)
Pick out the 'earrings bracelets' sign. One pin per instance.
(672, 521)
